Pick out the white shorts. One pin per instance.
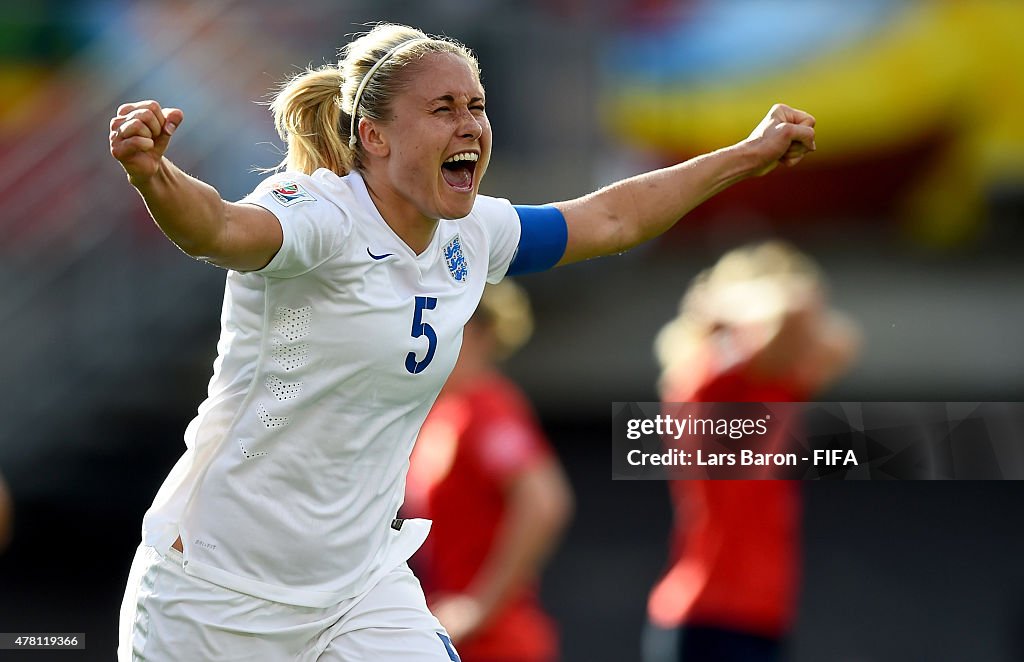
(169, 615)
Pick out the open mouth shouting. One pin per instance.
(458, 171)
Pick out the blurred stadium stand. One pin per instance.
(109, 332)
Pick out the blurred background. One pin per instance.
(913, 205)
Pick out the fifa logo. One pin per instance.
(290, 193)
(456, 261)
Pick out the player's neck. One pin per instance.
(412, 227)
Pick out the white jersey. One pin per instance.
(329, 360)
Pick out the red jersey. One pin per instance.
(734, 557)
(473, 444)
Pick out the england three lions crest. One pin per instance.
(456, 259)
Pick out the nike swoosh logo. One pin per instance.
(377, 257)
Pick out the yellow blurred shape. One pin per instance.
(942, 67)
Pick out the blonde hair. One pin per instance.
(505, 308)
(750, 283)
(313, 111)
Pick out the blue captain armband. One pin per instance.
(541, 241)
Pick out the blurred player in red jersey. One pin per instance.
(483, 471)
(754, 328)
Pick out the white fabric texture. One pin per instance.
(327, 365)
(169, 615)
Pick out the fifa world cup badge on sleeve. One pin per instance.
(456, 261)
(290, 193)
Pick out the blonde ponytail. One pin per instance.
(308, 116)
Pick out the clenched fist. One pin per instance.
(784, 136)
(139, 135)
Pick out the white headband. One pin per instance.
(366, 79)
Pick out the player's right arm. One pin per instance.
(190, 212)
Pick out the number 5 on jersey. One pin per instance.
(421, 328)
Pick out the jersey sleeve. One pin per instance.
(314, 227)
(507, 446)
(501, 225)
(542, 239)
(523, 239)
(505, 436)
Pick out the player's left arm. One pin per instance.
(634, 210)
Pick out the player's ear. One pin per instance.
(373, 140)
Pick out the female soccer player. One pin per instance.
(486, 476)
(754, 328)
(350, 277)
